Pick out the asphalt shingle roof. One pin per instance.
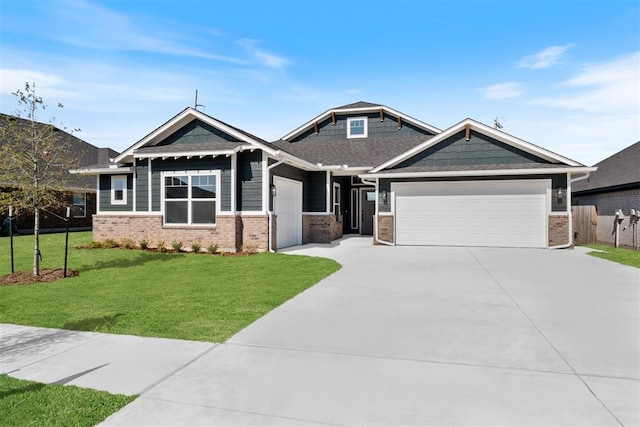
(83, 153)
(358, 152)
(620, 169)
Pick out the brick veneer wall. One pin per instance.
(385, 228)
(150, 228)
(319, 228)
(255, 232)
(558, 230)
(336, 227)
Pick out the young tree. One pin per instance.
(34, 161)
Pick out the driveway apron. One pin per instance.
(425, 336)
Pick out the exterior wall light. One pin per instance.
(384, 197)
(273, 190)
(560, 195)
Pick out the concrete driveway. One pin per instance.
(425, 336)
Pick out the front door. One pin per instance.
(367, 209)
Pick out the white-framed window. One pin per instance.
(357, 127)
(336, 199)
(79, 205)
(119, 190)
(191, 197)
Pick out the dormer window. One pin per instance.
(357, 127)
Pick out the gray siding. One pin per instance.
(249, 176)
(376, 128)
(479, 150)
(219, 163)
(105, 194)
(557, 181)
(195, 132)
(317, 192)
(142, 185)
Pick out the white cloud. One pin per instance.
(544, 59)
(262, 57)
(612, 86)
(507, 90)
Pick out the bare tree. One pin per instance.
(34, 161)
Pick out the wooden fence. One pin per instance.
(585, 224)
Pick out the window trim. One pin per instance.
(115, 178)
(337, 203)
(84, 204)
(366, 130)
(189, 174)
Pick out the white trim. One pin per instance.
(365, 120)
(191, 173)
(179, 154)
(149, 187)
(134, 184)
(493, 172)
(486, 130)
(346, 111)
(234, 182)
(333, 194)
(328, 192)
(102, 171)
(112, 190)
(354, 206)
(129, 213)
(98, 194)
(252, 213)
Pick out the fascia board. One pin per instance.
(486, 130)
(391, 111)
(97, 171)
(495, 172)
(186, 154)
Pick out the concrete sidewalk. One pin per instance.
(121, 364)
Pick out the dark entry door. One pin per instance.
(367, 208)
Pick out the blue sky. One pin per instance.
(561, 74)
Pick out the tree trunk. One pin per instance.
(36, 242)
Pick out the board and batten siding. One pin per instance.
(327, 131)
(142, 185)
(219, 163)
(249, 177)
(105, 194)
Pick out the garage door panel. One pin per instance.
(507, 213)
(287, 206)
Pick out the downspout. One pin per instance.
(375, 227)
(269, 211)
(570, 242)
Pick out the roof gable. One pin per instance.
(359, 108)
(479, 149)
(192, 130)
(620, 169)
(491, 146)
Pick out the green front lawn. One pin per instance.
(27, 403)
(620, 255)
(188, 296)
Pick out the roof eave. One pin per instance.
(492, 172)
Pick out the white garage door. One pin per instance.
(472, 213)
(287, 205)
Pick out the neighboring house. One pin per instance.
(357, 169)
(615, 185)
(81, 195)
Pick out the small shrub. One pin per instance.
(161, 247)
(127, 243)
(195, 247)
(177, 246)
(109, 244)
(94, 245)
(144, 244)
(212, 249)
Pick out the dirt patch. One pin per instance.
(27, 277)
